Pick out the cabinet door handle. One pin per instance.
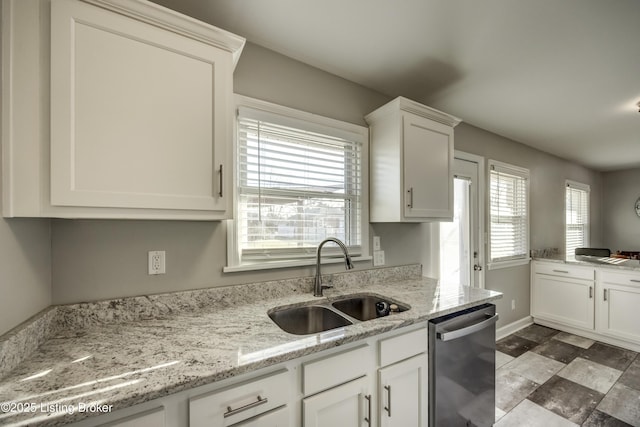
(634, 280)
(220, 192)
(561, 271)
(260, 401)
(368, 417)
(410, 191)
(388, 407)
(605, 294)
(590, 291)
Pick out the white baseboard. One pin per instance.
(513, 327)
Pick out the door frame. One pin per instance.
(482, 238)
(462, 155)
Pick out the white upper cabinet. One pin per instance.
(411, 159)
(133, 112)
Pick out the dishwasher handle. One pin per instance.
(459, 333)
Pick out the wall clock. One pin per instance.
(638, 206)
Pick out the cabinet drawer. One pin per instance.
(630, 279)
(277, 418)
(334, 370)
(402, 347)
(564, 270)
(238, 403)
(153, 418)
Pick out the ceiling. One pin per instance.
(559, 75)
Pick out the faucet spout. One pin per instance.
(317, 284)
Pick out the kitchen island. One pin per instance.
(126, 355)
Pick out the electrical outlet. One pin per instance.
(513, 304)
(376, 243)
(157, 262)
(378, 258)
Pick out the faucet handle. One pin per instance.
(327, 287)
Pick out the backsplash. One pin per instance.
(544, 253)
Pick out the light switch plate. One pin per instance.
(378, 258)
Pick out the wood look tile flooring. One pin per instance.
(549, 378)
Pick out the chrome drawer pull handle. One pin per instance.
(260, 401)
(388, 408)
(368, 418)
(561, 271)
(634, 280)
(410, 191)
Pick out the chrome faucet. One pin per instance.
(317, 284)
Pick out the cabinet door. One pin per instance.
(618, 315)
(140, 116)
(348, 405)
(428, 157)
(563, 300)
(403, 393)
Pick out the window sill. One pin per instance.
(507, 264)
(289, 264)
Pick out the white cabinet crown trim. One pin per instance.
(162, 17)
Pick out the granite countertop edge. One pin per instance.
(621, 264)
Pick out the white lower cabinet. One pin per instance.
(347, 405)
(400, 365)
(380, 381)
(402, 380)
(618, 303)
(598, 302)
(564, 294)
(403, 393)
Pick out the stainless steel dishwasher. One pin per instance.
(462, 362)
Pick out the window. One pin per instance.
(509, 215)
(300, 180)
(577, 216)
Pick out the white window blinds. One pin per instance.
(298, 183)
(509, 213)
(577, 216)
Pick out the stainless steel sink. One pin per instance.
(367, 307)
(309, 319)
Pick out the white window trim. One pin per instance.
(361, 133)
(525, 173)
(578, 186)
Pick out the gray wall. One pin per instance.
(25, 270)
(547, 192)
(621, 229)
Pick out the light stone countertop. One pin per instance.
(129, 351)
(594, 261)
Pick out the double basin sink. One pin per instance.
(314, 317)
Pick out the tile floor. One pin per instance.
(549, 378)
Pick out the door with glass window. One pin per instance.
(461, 255)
